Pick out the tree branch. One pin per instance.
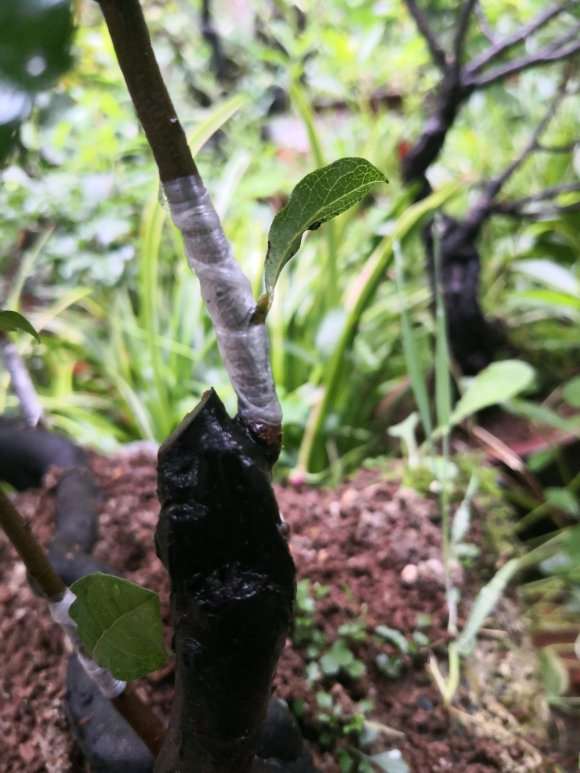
(556, 52)
(518, 207)
(495, 186)
(461, 31)
(502, 46)
(437, 52)
(243, 343)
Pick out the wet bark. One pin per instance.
(222, 541)
(473, 339)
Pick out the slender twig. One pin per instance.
(437, 52)
(45, 579)
(518, 207)
(500, 47)
(495, 186)
(29, 550)
(461, 30)
(485, 204)
(558, 51)
(551, 193)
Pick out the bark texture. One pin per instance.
(220, 537)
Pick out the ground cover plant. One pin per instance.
(105, 337)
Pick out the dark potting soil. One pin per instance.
(367, 555)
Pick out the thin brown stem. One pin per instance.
(29, 550)
(150, 97)
(45, 579)
(461, 30)
(437, 52)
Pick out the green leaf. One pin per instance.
(498, 383)
(571, 392)
(485, 603)
(338, 657)
(541, 414)
(213, 122)
(554, 673)
(442, 357)
(320, 196)
(119, 624)
(563, 499)
(393, 636)
(410, 349)
(550, 273)
(12, 320)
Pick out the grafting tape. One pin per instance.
(60, 612)
(227, 293)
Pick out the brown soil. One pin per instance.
(370, 552)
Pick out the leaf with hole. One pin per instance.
(12, 320)
(119, 624)
(318, 197)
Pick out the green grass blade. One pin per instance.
(214, 121)
(410, 350)
(378, 261)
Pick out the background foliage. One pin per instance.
(89, 254)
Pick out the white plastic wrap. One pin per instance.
(105, 681)
(228, 296)
(22, 386)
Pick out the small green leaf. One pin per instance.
(549, 273)
(498, 383)
(571, 392)
(554, 673)
(393, 636)
(12, 320)
(119, 624)
(320, 196)
(485, 603)
(541, 414)
(563, 499)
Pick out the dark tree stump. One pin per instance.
(221, 539)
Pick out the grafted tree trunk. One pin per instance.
(221, 539)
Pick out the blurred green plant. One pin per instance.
(35, 39)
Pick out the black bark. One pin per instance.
(220, 537)
(473, 339)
